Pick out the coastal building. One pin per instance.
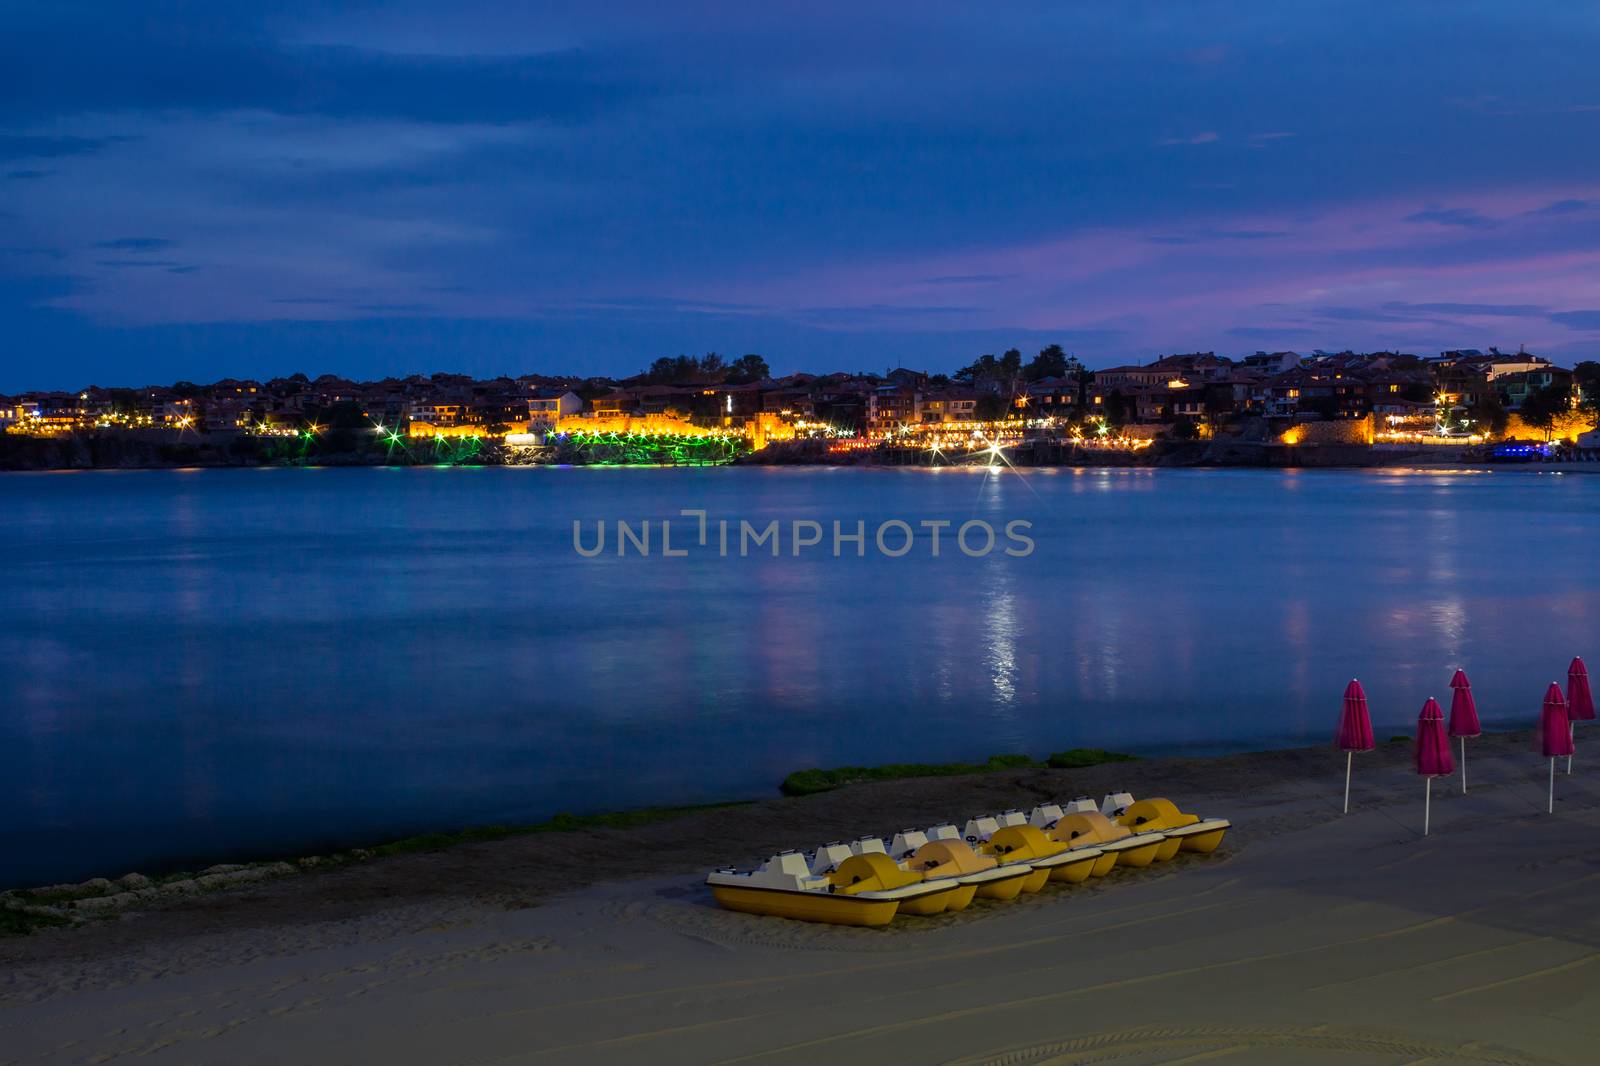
(1489, 365)
(437, 414)
(1246, 391)
(795, 403)
(950, 404)
(1127, 378)
(616, 403)
(736, 403)
(891, 408)
(1514, 388)
(547, 407)
(1051, 397)
(498, 413)
(49, 413)
(1270, 363)
(839, 401)
(1197, 366)
(1188, 402)
(681, 401)
(1152, 403)
(178, 414)
(21, 413)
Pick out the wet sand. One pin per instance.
(1311, 937)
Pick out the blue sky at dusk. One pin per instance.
(195, 190)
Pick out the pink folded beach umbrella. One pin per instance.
(1355, 731)
(1580, 701)
(1432, 753)
(1463, 718)
(1555, 734)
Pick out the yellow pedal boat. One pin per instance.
(980, 832)
(1116, 804)
(1118, 845)
(981, 876)
(1192, 832)
(1030, 845)
(955, 895)
(1045, 816)
(864, 890)
(977, 834)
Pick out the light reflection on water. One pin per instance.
(270, 661)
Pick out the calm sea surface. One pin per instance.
(213, 664)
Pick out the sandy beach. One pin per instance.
(1310, 937)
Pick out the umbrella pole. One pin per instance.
(1463, 766)
(1427, 804)
(1551, 807)
(1347, 757)
(1572, 732)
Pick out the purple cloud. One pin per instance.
(135, 244)
(1585, 320)
(1452, 216)
(1203, 137)
(1565, 207)
(1208, 235)
(1486, 310)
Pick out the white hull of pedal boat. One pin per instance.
(1072, 865)
(862, 890)
(1103, 862)
(1203, 837)
(806, 905)
(1138, 850)
(951, 895)
(1009, 881)
(1032, 881)
(998, 882)
(744, 892)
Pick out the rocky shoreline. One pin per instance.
(27, 910)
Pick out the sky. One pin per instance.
(193, 190)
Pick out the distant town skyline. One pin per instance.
(228, 190)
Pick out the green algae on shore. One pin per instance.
(561, 822)
(810, 782)
(19, 922)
